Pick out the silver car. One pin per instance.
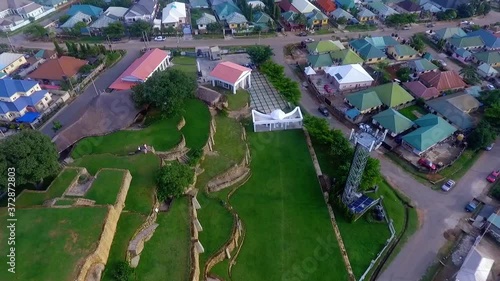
(448, 185)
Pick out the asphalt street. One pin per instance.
(437, 211)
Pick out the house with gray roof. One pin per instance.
(236, 20)
(17, 13)
(486, 71)
(143, 10)
(341, 13)
(449, 32)
(51, 3)
(455, 109)
(421, 66)
(78, 17)
(491, 58)
(205, 20)
(381, 9)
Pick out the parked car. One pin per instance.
(324, 111)
(328, 89)
(302, 34)
(448, 185)
(493, 176)
(426, 163)
(464, 22)
(309, 40)
(406, 27)
(490, 87)
(472, 205)
(442, 62)
(489, 147)
(160, 38)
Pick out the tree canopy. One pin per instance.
(285, 85)
(115, 30)
(470, 75)
(401, 19)
(403, 74)
(32, 154)
(482, 136)
(259, 54)
(140, 26)
(172, 180)
(166, 90)
(35, 31)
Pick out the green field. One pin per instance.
(284, 214)
(239, 100)
(186, 64)
(51, 243)
(409, 112)
(161, 134)
(197, 126)
(167, 253)
(105, 187)
(56, 189)
(64, 202)
(142, 168)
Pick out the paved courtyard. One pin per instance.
(263, 96)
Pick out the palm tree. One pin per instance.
(469, 74)
(440, 44)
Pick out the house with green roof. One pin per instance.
(223, 10)
(462, 55)
(346, 56)
(367, 51)
(432, 130)
(365, 101)
(395, 122)
(324, 46)
(402, 52)
(491, 58)
(449, 32)
(316, 18)
(382, 42)
(344, 4)
(421, 66)
(319, 61)
(263, 20)
(467, 43)
(391, 95)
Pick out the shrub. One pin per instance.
(122, 271)
(288, 88)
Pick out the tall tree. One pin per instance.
(35, 31)
(76, 30)
(418, 43)
(58, 49)
(300, 19)
(166, 90)
(403, 74)
(115, 30)
(32, 154)
(492, 115)
(469, 73)
(172, 180)
(259, 53)
(482, 136)
(214, 27)
(140, 26)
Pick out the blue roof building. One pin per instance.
(90, 10)
(17, 97)
(490, 41)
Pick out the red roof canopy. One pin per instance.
(229, 71)
(443, 80)
(326, 5)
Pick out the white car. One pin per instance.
(443, 63)
(309, 40)
(160, 38)
(490, 87)
(489, 147)
(464, 22)
(448, 185)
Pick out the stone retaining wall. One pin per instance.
(209, 146)
(181, 124)
(194, 273)
(92, 264)
(175, 153)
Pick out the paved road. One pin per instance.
(73, 111)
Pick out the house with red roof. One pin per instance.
(141, 69)
(326, 6)
(419, 90)
(443, 80)
(52, 72)
(231, 76)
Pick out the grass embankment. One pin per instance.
(106, 186)
(197, 126)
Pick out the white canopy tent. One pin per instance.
(277, 120)
(309, 71)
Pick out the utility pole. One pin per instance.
(109, 43)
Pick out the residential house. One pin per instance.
(316, 19)
(474, 91)
(256, 4)
(205, 20)
(382, 42)
(223, 10)
(218, 2)
(467, 43)
(15, 14)
(263, 20)
(117, 12)
(46, 54)
(303, 6)
(51, 3)
(476, 266)
(365, 15)
(395, 122)
(455, 109)
(462, 55)
(17, 97)
(390, 95)
(431, 7)
(76, 18)
(487, 71)
(432, 130)
(54, 71)
(90, 10)
(231, 76)
(340, 13)
(319, 61)
(236, 21)
(449, 4)
(491, 58)
(286, 6)
(326, 6)
(402, 52)
(111, 15)
(10, 62)
(491, 42)
(141, 69)
(345, 4)
(381, 10)
(324, 46)
(198, 4)
(174, 15)
(209, 96)
(288, 19)
(420, 91)
(408, 7)
(420, 66)
(443, 80)
(428, 56)
(449, 32)
(347, 56)
(143, 10)
(367, 51)
(348, 77)
(494, 227)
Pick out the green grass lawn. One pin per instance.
(167, 253)
(105, 187)
(162, 135)
(127, 225)
(239, 100)
(64, 202)
(408, 112)
(197, 126)
(51, 243)
(142, 167)
(187, 64)
(360, 27)
(56, 189)
(286, 220)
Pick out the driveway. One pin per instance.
(74, 110)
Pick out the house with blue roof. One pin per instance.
(491, 42)
(344, 4)
(224, 10)
(20, 97)
(89, 10)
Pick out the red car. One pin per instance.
(493, 176)
(328, 89)
(426, 163)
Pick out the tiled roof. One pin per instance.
(346, 56)
(55, 69)
(382, 8)
(487, 69)
(315, 15)
(348, 74)
(345, 3)
(419, 90)
(78, 17)
(466, 42)
(223, 10)
(321, 60)
(393, 120)
(303, 6)
(422, 65)
(45, 54)
(8, 58)
(488, 57)
(365, 13)
(198, 3)
(364, 100)
(141, 8)
(173, 12)
(116, 11)
(382, 42)
(229, 71)
(327, 5)
(139, 70)
(286, 5)
(22, 102)
(261, 17)
(442, 80)
(103, 21)
(289, 16)
(90, 10)
(392, 94)
(463, 53)
(236, 18)
(433, 129)
(8, 87)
